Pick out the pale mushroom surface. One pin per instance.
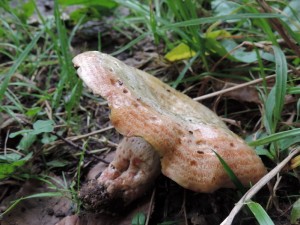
(128, 176)
(184, 132)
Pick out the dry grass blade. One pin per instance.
(256, 81)
(252, 191)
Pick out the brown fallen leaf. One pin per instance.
(183, 132)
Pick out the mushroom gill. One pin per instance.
(183, 132)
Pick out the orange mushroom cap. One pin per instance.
(184, 132)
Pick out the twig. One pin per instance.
(89, 134)
(150, 206)
(78, 147)
(72, 144)
(184, 207)
(234, 88)
(252, 191)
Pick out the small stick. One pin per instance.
(252, 191)
(78, 147)
(89, 134)
(234, 88)
(150, 206)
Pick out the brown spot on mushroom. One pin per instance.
(112, 81)
(199, 142)
(193, 163)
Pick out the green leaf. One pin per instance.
(14, 134)
(276, 137)
(292, 11)
(6, 169)
(10, 157)
(221, 7)
(180, 52)
(295, 213)
(48, 138)
(260, 214)
(43, 126)
(27, 140)
(33, 111)
(138, 219)
(57, 163)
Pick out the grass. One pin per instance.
(231, 41)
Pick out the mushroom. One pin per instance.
(183, 132)
(132, 171)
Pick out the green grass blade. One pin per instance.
(205, 20)
(17, 63)
(185, 69)
(281, 79)
(260, 214)
(276, 137)
(275, 100)
(238, 184)
(38, 195)
(130, 44)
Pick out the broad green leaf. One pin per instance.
(260, 214)
(243, 55)
(180, 52)
(14, 134)
(10, 157)
(138, 219)
(47, 138)
(6, 169)
(43, 126)
(295, 213)
(27, 140)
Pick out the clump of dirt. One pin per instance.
(95, 198)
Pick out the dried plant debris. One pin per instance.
(183, 132)
(38, 210)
